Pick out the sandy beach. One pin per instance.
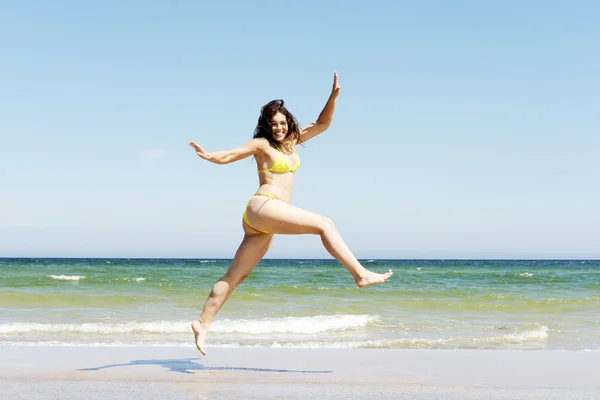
(259, 373)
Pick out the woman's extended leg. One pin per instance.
(251, 251)
(280, 217)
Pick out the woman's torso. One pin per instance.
(276, 171)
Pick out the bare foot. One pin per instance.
(200, 333)
(373, 278)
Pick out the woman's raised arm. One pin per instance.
(324, 120)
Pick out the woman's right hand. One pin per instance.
(200, 151)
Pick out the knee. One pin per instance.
(327, 224)
(234, 279)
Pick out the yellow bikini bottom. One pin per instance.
(269, 195)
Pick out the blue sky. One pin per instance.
(463, 130)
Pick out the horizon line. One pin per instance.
(300, 258)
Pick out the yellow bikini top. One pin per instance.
(281, 165)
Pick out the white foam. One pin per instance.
(302, 325)
(292, 325)
(526, 274)
(102, 328)
(67, 277)
(538, 334)
(535, 335)
(503, 341)
(117, 343)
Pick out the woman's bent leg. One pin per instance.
(251, 251)
(280, 217)
(335, 245)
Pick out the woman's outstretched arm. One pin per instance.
(324, 120)
(228, 156)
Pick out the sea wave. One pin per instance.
(115, 343)
(134, 279)
(538, 335)
(292, 325)
(67, 277)
(529, 338)
(302, 325)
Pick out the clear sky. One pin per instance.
(464, 129)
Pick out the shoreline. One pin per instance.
(318, 373)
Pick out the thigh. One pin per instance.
(251, 251)
(277, 216)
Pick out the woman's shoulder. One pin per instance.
(261, 144)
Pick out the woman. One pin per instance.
(269, 210)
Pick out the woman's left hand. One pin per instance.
(336, 86)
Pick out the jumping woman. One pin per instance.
(269, 212)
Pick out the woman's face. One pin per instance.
(279, 127)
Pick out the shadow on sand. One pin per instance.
(187, 366)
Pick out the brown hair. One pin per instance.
(263, 127)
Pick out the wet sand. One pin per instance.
(267, 373)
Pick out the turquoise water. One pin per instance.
(434, 304)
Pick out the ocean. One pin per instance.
(302, 303)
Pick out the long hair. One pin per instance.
(263, 127)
